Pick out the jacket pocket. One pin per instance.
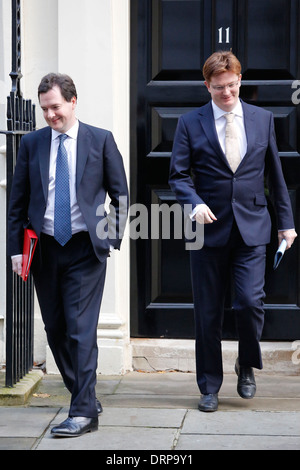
(260, 200)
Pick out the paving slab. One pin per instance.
(255, 423)
(115, 438)
(241, 430)
(171, 383)
(149, 401)
(199, 442)
(17, 443)
(20, 422)
(134, 417)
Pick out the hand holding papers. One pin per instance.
(30, 241)
(279, 253)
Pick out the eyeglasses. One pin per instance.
(231, 86)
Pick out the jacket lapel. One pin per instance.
(44, 158)
(208, 124)
(83, 146)
(250, 129)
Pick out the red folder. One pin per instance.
(30, 241)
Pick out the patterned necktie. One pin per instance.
(62, 209)
(232, 150)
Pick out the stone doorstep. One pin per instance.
(152, 355)
(19, 394)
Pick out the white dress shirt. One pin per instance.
(77, 220)
(220, 123)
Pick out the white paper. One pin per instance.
(279, 253)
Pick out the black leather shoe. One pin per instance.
(208, 402)
(75, 426)
(99, 407)
(246, 385)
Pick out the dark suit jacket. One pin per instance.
(99, 171)
(200, 173)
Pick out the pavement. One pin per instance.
(157, 412)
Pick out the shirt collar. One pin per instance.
(72, 132)
(218, 112)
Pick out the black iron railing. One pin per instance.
(19, 295)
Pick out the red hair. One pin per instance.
(220, 62)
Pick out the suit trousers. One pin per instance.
(69, 283)
(211, 269)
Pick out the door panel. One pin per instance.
(170, 40)
(268, 35)
(177, 25)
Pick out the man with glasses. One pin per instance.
(229, 148)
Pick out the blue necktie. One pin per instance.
(62, 209)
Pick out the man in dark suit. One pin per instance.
(62, 176)
(228, 164)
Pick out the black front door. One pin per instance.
(170, 40)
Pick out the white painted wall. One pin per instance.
(5, 87)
